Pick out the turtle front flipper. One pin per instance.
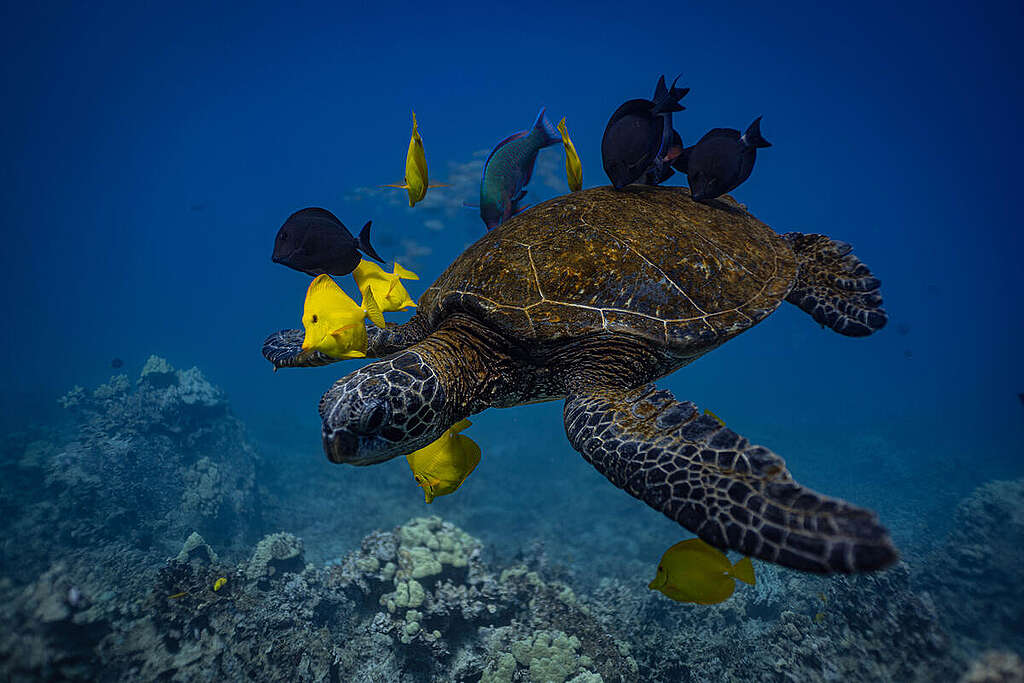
(284, 349)
(732, 494)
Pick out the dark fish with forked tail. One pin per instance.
(639, 135)
(315, 242)
(721, 160)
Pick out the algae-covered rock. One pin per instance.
(157, 372)
(275, 554)
(195, 548)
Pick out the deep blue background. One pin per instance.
(150, 154)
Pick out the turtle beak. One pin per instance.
(340, 447)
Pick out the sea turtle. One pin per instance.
(590, 297)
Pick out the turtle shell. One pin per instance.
(644, 261)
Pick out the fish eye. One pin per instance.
(314, 319)
(373, 416)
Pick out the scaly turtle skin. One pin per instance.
(590, 298)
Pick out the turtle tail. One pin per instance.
(834, 287)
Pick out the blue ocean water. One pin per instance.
(151, 153)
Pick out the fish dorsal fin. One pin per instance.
(323, 287)
(404, 273)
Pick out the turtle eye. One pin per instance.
(372, 417)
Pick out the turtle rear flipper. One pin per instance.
(834, 286)
(732, 494)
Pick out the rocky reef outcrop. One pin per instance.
(140, 464)
(977, 575)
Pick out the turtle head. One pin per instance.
(383, 410)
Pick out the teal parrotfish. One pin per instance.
(508, 169)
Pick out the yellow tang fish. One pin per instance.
(573, 165)
(441, 467)
(334, 323)
(219, 583)
(416, 179)
(386, 287)
(693, 571)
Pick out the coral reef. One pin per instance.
(415, 603)
(789, 627)
(142, 465)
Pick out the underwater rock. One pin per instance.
(977, 575)
(56, 629)
(144, 465)
(803, 628)
(284, 622)
(195, 548)
(367, 617)
(274, 555)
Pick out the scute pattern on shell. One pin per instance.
(646, 261)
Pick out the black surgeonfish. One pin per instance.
(639, 134)
(315, 242)
(721, 160)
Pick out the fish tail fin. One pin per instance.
(364, 242)
(372, 308)
(404, 273)
(549, 134)
(666, 100)
(752, 138)
(744, 571)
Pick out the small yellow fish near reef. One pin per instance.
(333, 321)
(219, 583)
(441, 467)
(416, 179)
(387, 287)
(573, 165)
(693, 571)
